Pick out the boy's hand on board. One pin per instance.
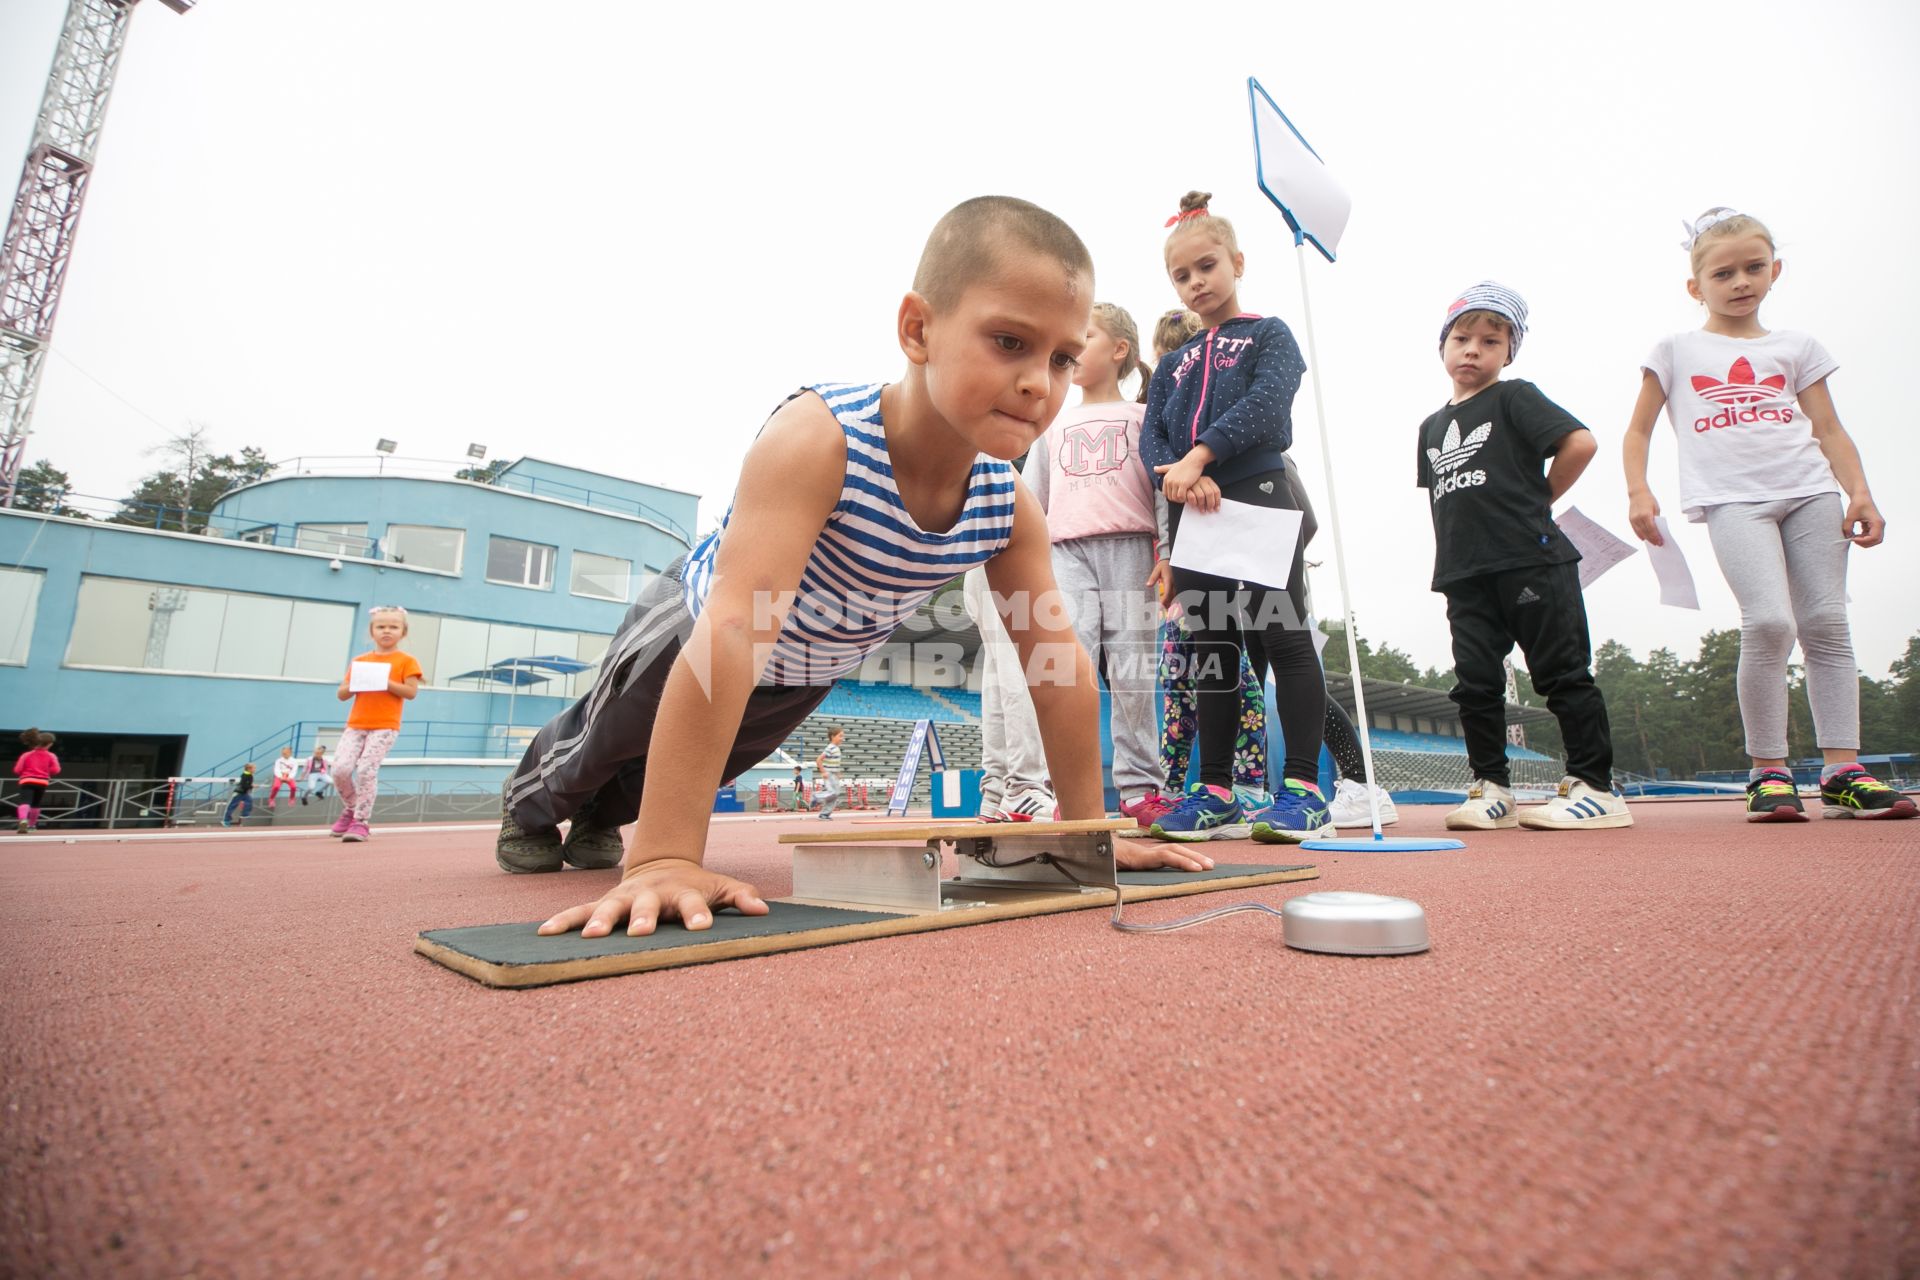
(1641, 511)
(1155, 855)
(663, 889)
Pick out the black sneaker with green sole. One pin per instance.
(524, 852)
(592, 848)
(1855, 793)
(1772, 797)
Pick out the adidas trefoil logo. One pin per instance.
(1526, 596)
(1741, 393)
(1452, 455)
(1740, 386)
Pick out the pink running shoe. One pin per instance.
(1146, 810)
(343, 823)
(355, 833)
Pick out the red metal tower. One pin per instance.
(46, 210)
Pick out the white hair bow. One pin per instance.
(1696, 229)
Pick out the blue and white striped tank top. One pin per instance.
(872, 566)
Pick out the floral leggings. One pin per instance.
(1179, 718)
(356, 768)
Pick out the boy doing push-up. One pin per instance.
(854, 504)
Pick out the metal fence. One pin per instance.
(118, 804)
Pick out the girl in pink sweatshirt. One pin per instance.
(35, 768)
(1100, 503)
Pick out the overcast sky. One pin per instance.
(615, 235)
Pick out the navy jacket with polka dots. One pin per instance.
(1230, 388)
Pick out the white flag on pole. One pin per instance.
(1294, 177)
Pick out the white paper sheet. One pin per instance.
(1239, 541)
(1670, 566)
(1599, 549)
(368, 677)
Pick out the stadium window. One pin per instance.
(260, 534)
(600, 577)
(19, 605)
(333, 539)
(160, 627)
(513, 563)
(449, 648)
(425, 546)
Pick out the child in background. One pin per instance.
(1219, 420)
(827, 766)
(1508, 573)
(1349, 805)
(242, 796)
(373, 723)
(727, 653)
(286, 771)
(1100, 504)
(319, 775)
(799, 789)
(1765, 464)
(1180, 700)
(36, 768)
(1013, 764)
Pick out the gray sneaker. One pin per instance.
(593, 848)
(525, 852)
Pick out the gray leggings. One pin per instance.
(1787, 564)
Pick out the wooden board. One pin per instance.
(513, 955)
(960, 831)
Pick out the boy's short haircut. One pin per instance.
(966, 245)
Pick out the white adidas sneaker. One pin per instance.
(1489, 807)
(1351, 808)
(1577, 808)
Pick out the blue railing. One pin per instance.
(203, 524)
(586, 497)
(461, 739)
(434, 469)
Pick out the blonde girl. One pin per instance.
(1219, 420)
(1100, 504)
(374, 722)
(1767, 467)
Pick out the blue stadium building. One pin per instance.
(190, 643)
(169, 645)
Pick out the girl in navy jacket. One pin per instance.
(1219, 420)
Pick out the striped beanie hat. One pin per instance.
(1490, 295)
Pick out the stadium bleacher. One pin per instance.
(879, 718)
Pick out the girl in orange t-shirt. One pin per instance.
(374, 722)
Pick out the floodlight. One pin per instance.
(385, 446)
(476, 451)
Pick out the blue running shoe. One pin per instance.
(1204, 813)
(1298, 812)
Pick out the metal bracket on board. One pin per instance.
(997, 868)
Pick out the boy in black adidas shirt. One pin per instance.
(1509, 574)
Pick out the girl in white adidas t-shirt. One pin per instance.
(1767, 467)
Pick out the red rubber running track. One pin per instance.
(1690, 1049)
